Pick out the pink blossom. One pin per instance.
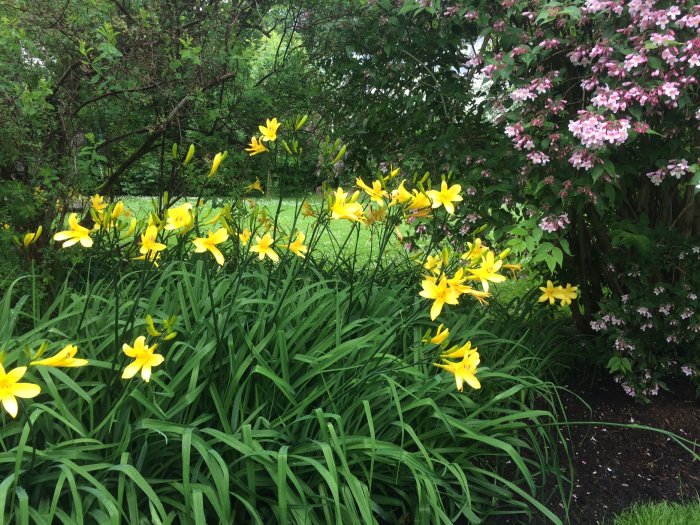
(537, 157)
(657, 176)
(677, 168)
(670, 89)
(632, 61)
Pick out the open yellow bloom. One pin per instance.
(180, 218)
(269, 130)
(476, 250)
(440, 292)
(244, 236)
(144, 359)
(351, 211)
(65, 358)
(148, 241)
(550, 293)
(513, 268)
(488, 271)
(254, 186)
(419, 201)
(264, 247)
(11, 389)
(31, 237)
(567, 294)
(76, 234)
(204, 244)
(464, 370)
(376, 193)
(433, 263)
(297, 247)
(256, 146)
(98, 203)
(445, 197)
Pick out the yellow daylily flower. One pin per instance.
(204, 244)
(513, 268)
(254, 186)
(150, 256)
(31, 238)
(98, 203)
(180, 218)
(215, 163)
(445, 196)
(476, 250)
(376, 193)
(550, 293)
(433, 263)
(64, 358)
(76, 234)
(440, 292)
(306, 210)
(11, 389)
(464, 370)
(419, 201)
(440, 335)
(144, 359)
(393, 172)
(264, 247)
(297, 247)
(341, 209)
(269, 130)
(488, 271)
(149, 241)
(567, 294)
(256, 146)
(244, 236)
(458, 352)
(401, 194)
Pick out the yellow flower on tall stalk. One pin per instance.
(204, 244)
(297, 247)
(254, 186)
(445, 196)
(433, 263)
(76, 234)
(550, 293)
(144, 359)
(401, 194)
(513, 268)
(464, 370)
(263, 248)
(65, 358)
(376, 193)
(180, 218)
(269, 130)
(440, 335)
(31, 238)
(149, 241)
(307, 210)
(419, 201)
(245, 235)
(98, 203)
(440, 292)
(488, 271)
(153, 257)
(10, 389)
(340, 209)
(476, 250)
(567, 294)
(256, 146)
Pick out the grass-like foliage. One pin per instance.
(286, 397)
(666, 513)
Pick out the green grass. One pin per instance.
(663, 513)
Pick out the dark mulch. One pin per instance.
(617, 467)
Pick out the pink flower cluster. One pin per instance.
(553, 223)
(583, 160)
(593, 130)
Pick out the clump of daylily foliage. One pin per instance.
(185, 229)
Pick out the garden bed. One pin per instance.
(617, 467)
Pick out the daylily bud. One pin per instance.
(505, 253)
(286, 147)
(190, 154)
(175, 151)
(215, 164)
(340, 154)
(301, 122)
